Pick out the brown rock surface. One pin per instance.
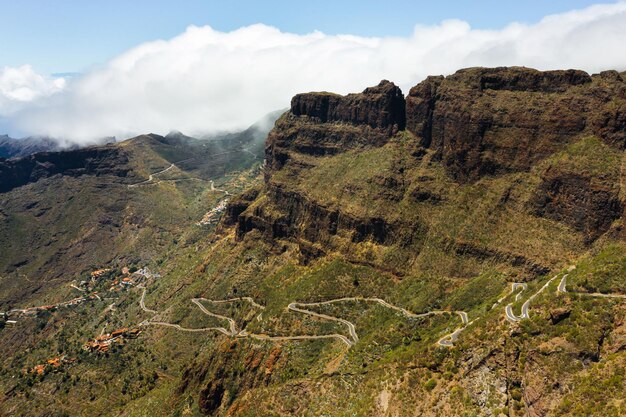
(380, 107)
(497, 120)
(578, 201)
(326, 124)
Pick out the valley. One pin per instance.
(455, 251)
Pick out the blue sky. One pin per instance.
(72, 35)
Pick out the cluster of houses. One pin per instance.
(53, 363)
(214, 214)
(88, 284)
(102, 343)
(98, 273)
(122, 284)
(126, 280)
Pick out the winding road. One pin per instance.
(231, 322)
(230, 300)
(508, 310)
(185, 329)
(562, 289)
(445, 341)
(142, 303)
(217, 189)
(302, 308)
(151, 177)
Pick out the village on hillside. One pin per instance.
(98, 282)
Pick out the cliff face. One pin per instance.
(506, 171)
(492, 121)
(325, 124)
(476, 124)
(380, 107)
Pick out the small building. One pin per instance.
(119, 332)
(54, 362)
(39, 369)
(134, 332)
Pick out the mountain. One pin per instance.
(64, 211)
(19, 148)
(456, 251)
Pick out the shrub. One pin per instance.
(430, 384)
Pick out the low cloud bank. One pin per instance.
(205, 80)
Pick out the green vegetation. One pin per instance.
(588, 156)
(603, 272)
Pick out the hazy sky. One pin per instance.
(200, 66)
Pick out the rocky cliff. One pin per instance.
(479, 124)
(506, 173)
(325, 124)
(497, 120)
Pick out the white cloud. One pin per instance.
(23, 85)
(205, 80)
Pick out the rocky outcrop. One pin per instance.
(238, 205)
(486, 121)
(325, 124)
(89, 161)
(520, 79)
(219, 381)
(380, 107)
(557, 315)
(322, 124)
(479, 121)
